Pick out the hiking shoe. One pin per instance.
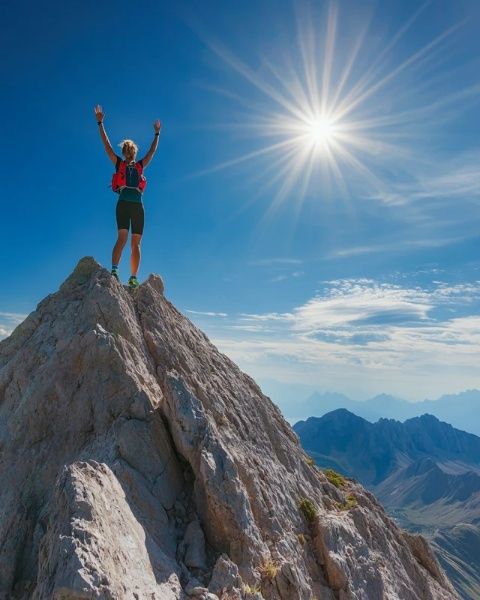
(114, 273)
(133, 283)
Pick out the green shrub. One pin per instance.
(335, 478)
(308, 509)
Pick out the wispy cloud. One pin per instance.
(437, 206)
(265, 262)
(396, 246)
(286, 276)
(457, 178)
(207, 313)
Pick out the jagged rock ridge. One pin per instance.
(137, 461)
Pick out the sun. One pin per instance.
(319, 132)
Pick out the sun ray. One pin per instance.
(377, 65)
(307, 49)
(246, 157)
(250, 76)
(347, 71)
(328, 58)
(346, 107)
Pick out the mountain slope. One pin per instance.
(372, 451)
(137, 461)
(425, 473)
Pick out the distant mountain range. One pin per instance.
(460, 410)
(424, 471)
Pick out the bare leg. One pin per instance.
(135, 257)
(119, 246)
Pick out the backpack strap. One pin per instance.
(120, 176)
(142, 182)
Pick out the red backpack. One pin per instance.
(119, 179)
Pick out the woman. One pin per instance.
(130, 184)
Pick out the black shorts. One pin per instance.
(130, 212)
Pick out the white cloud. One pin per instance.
(396, 246)
(356, 301)
(266, 317)
(266, 262)
(207, 313)
(285, 276)
(15, 318)
(4, 332)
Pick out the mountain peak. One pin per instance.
(342, 414)
(138, 461)
(426, 418)
(87, 267)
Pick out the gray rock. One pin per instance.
(195, 555)
(195, 588)
(225, 576)
(120, 422)
(99, 544)
(197, 591)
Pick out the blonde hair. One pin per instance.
(124, 143)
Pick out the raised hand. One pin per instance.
(99, 113)
(157, 126)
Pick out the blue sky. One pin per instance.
(314, 202)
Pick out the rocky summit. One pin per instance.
(138, 462)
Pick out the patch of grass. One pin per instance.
(350, 502)
(222, 419)
(268, 569)
(335, 478)
(301, 538)
(251, 589)
(309, 460)
(308, 509)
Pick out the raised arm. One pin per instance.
(149, 155)
(103, 134)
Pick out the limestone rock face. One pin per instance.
(138, 462)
